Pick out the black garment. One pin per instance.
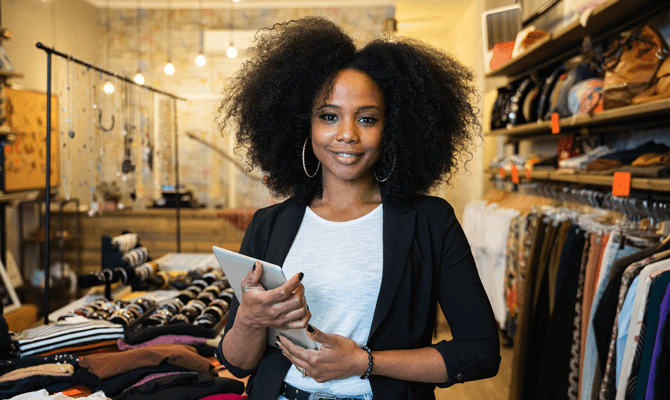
(628, 156)
(552, 381)
(426, 257)
(651, 320)
(603, 319)
(539, 314)
(31, 361)
(662, 383)
(115, 385)
(52, 384)
(152, 332)
(183, 387)
(524, 333)
(5, 339)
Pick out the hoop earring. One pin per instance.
(390, 172)
(304, 167)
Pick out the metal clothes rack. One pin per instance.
(47, 215)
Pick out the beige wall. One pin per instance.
(454, 27)
(71, 26)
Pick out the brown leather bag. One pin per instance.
(631, 65)
(660, 89)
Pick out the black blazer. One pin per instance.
(426, 257)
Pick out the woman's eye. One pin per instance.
(368, 120)
(328, 117)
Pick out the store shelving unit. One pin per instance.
(609, 17)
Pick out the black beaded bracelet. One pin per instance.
(367, 373)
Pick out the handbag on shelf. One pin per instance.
(499, 106)
(631, 65)
(516, 116)
(560, 95)
(661, 87)
(544, 103)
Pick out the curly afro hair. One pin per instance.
(429, 120)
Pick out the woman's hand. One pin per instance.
(338, 357)
(280, 308)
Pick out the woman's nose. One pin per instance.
(348, 132)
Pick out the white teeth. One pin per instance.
(345, 155)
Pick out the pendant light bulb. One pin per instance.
(231, 52)
(108, 88)
(139, 79)
(200, 60)
(169, 68)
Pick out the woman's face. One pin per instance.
(347, 127)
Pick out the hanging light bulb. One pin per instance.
(108, 88)
(169, 68)
(139, 79)
(232, 51)
(200, 59)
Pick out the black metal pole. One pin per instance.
(176, 164)
(47, 214)
(39, 45)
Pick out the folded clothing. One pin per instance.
(580, 162)
(628, 156)
(116, 384)
(23, 362)
(84, 349)
(70, 331)
(106, 365)
(602, 164)
(183, 387)
(44, 394)
(167, 339)
(44, 369)
(151, 332)
(652, 159)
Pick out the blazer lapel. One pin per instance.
(284, 233)
(398, 230)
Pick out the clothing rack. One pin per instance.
(632, 207)
(47, 216)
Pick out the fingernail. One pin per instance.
(254, 267)
(310, 328)
(307, 307)
(301, 276)
(278, 339)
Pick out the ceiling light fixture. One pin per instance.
(169, 68)
(201, 60)
(108, 87)
(232, 51)
(139, 79)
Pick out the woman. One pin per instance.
(354, 138)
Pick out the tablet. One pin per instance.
(236, 266)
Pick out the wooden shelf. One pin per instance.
(637, 183)
(655, 112)
(605, 16)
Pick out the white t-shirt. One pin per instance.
(342, 263)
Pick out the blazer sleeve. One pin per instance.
(246, 248)
(474, 351)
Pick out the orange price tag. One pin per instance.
(515, 175)
(621, 184)
(502, 173)
(528, 171)
(215, 363)
(72, 392)
(555, 126)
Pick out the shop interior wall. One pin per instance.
(70, 26)
(454, 27)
